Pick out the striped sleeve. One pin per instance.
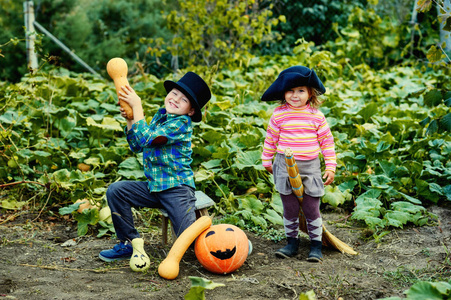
(271, 140)
(326, 142)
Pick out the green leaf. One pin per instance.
(259, 221)
(131, 169)
(347, 185)
(276, 203)
(107, 124)
(249, 159)
(380, 181)
(371, 193)
(202, 175)
(87, 217)
(447, 191)
(388, 167)
(334, 196)
(424, 290)
(434, 54)
(252, 204)
(433, 98)
(12, 204)
(273, 217)
(215, 163)
(409, 198)
(435, 188)
(69, 209)
(310, 295)
(368, 111)
(198, 287)
(397, 218)
(407, 207)
(443, 287)
(445, 122)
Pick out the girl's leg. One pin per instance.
(310, 207)
(291, 208)
(291, 223)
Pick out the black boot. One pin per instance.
(289, 250)
(315, 251)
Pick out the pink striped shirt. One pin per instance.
(304, 130)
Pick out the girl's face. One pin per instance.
(177, 103)
(297, 96)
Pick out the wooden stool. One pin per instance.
(203, 202)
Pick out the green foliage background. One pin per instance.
(389, 112)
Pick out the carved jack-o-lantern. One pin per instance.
(222, 248)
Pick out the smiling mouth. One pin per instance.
(173, 105)
(223, 255)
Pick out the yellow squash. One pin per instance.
(117, 69)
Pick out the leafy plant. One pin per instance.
(216, 32)
(427, 290)
(61, 138)
(198, 287)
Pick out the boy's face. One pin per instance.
(297, 96)
(178, 104)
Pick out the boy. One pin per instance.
(166, 145)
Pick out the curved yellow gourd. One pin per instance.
(117, 69)
(169, 268)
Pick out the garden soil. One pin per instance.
(42, 258)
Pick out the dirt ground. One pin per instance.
(34, 264)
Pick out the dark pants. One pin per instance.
(179, 202)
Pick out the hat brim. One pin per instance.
(290, 80)
(169, 85)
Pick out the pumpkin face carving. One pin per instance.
(222, 248)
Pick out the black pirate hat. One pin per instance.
(195, 88)
(290, 78)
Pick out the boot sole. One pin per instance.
(314, 259)
(282, 255)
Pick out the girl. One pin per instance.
(298, 124)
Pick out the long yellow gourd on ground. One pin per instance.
(117, 69)
(169, 268)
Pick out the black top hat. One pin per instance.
(290, 78)
(195, 89)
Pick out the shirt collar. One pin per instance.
(298, 108)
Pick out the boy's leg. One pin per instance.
(180, 204)
(122, 196)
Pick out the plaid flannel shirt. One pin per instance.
(168, 165)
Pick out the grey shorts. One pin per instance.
(310, 171)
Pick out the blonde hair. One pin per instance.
(314, 101)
